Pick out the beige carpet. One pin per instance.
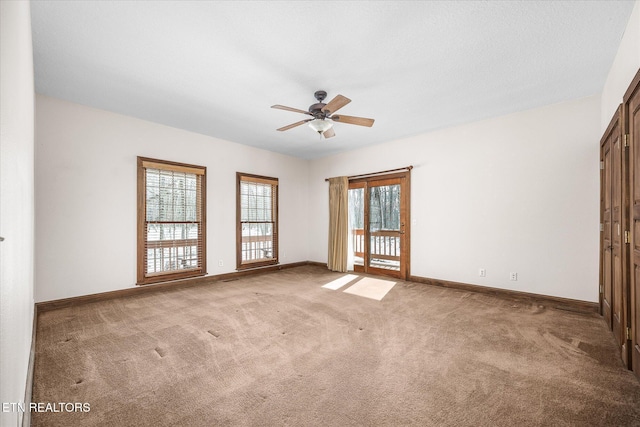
(279, 350)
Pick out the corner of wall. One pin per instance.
(624, 67)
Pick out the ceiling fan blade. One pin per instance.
(295, 110)
(329, 133)
(335, 104)
(294, 125)
(360, 121)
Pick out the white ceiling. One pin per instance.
(215, 67)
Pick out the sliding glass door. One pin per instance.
(378, 224)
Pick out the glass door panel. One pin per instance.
(356, 225)
(385, 232)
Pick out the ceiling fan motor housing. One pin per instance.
(316, 109)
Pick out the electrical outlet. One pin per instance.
(220, 263)
(482, 272)
(513, 276)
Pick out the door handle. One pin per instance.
(1, 239)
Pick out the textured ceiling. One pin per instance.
(216, 67)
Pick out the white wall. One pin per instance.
(518, 193)
(624, 68)
(86, 195)
(514, 193)
(16, 203)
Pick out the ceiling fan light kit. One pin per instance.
(320, 125)
(322, 121)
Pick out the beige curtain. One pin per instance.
(338, 223)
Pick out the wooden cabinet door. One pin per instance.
(614, 241)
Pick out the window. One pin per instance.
(171, 221)
(257, 221)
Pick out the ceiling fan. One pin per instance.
(323, 115)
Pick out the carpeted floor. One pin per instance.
(278, 349)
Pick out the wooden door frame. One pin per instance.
(633, 301)
(405, 211)
(601, 274)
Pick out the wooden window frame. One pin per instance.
(143, 278)
(240, 265)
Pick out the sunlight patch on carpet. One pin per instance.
(340, 282)
(371, 288)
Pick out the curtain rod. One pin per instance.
(407, 168)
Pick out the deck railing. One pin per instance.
(257, 247)
(384, 244)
